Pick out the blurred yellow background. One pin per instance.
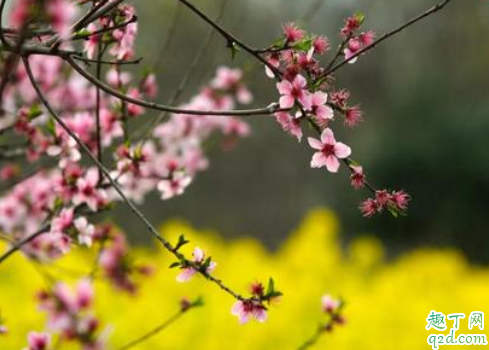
(387, 301)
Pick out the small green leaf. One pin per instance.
(181, 242)
(206, 264)
(304, 45)
(199, 301)
(51, 126)
(275, 294)
(360, 17)
(270, 287)
(34, 112)
(175, 264)
(234, 49)
(279, 43)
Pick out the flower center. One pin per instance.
(296, 93)
(328, 150)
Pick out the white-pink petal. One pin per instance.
(341, 150)
(327, 137)
(186, 274)
(299, 81)
(198, 254)
(315, 143)
(286, 101)
(319, 98)
(332, 164)
(284, 87)
(318, 160)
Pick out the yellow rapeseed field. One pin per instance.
(387, 301)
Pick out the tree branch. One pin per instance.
(152, 105)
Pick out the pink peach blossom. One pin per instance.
(294, 91)
(330, 151)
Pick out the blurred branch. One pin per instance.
(155, 331)
(335, 318)
(190, 71)
(116, 63)
(17, 246)
(313, 10)
(169, 37)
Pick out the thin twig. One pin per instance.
(169, 37)
(115, 63)
(158, 329)
(313, 10)
(17, 246)
(100, 54)
(327, 327)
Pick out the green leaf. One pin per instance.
(138, 152)
(234, 49)
(175, 264)
(275, 294)
(199, 301)
(279, 43)
(58, 204)
(206, 264)
(360, 17)
(51, 126)
(270, 287)
(304, 45)
(83, 33)
(181, 242)
(34, 112)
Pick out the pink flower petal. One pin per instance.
(315, 143)
(198, 254)
(260, 315)
(318, 160)
(284, 87)
(286, 101)
(327, 137)
(299, 82)
(319, 98)
(332, 164)
(185, 275)
(341, 150)
(324, 112)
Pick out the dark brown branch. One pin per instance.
(152, 105)
(17, 246)
(116, 63)
(85, 36)
(313, 10)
